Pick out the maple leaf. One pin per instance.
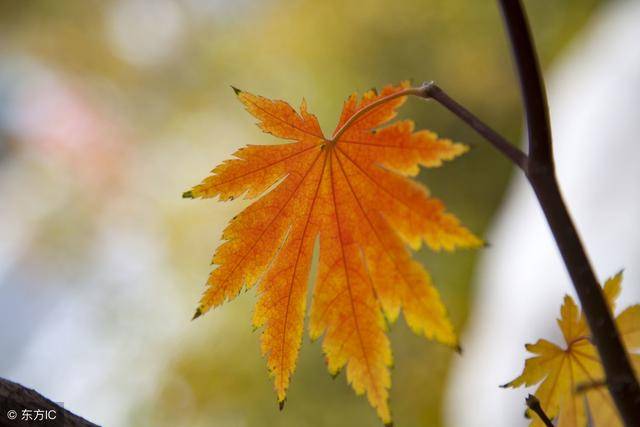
(561, 372)
(351, 191)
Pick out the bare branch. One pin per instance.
(540, 170)
(15, 398)
(432, 91)
(534, 404)
(531, 82)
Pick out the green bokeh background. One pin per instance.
(287, 49)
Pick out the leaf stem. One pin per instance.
(430, 90)
(358, 114)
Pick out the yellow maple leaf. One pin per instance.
(562, 371)
(353, 192)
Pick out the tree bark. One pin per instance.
(17, 400)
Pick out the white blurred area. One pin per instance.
(145, 32)
(88, 202)
(595, 111)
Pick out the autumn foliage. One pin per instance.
(571, 378)
(353, 193)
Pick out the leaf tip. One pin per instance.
(187, 195)
(335, 374)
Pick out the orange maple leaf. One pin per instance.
(351, 191)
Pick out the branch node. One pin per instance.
(430, 90)
(534, 404)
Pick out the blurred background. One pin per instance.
(109, 110)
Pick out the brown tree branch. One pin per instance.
(531, 82)
(15, 398)
(614, 358)
(540, 171)
(430, 90)
(620, 376)
(539, 167)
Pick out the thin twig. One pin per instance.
(534, 404)
(500, 143)
(430, 90)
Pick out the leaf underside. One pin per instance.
(356, 195)
(562, 372)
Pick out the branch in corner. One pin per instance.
(15, 398)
